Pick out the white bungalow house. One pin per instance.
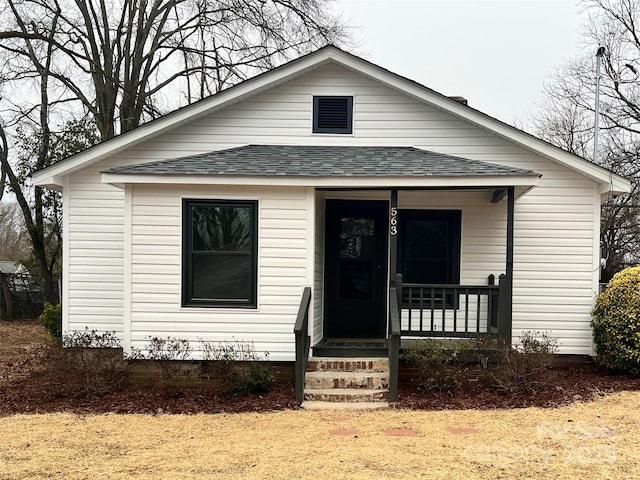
(335, 174)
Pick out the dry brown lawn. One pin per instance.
(596, 440)
(20, 336)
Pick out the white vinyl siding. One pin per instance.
(94, 235)
(553, 279)
(156, 259)
(555, 222)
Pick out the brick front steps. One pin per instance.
(346, 383)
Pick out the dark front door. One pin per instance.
(355, 268)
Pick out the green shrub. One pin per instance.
(51, 319)
(437, 363)
(253, 377)
(237, 368)
(616, 322)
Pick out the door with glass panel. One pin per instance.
(355, 268)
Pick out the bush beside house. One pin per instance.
(616, 322)
(51, 319)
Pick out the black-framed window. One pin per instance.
(429, 249)
(220, 251)
(429, 246)
(332, 114)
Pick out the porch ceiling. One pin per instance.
(323, 161)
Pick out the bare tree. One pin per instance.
(41, 209)
(620, 226)
(14, 240)
(126, 61)
(34, 218)
(567, 118)
(121, 63)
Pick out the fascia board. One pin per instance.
(618, 186)
(615, 189)
(51, 182)
(323, 182)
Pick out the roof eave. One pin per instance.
(616, 186)
(52, 182)
(426, 181)
(613, 189)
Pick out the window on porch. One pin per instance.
(431, 301)
(429, 253)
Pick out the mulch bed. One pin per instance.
(564, 384)
(34, 379)
(146, 400)
(29, 384)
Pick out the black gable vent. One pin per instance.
(332, 114)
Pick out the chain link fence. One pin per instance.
(21, 295)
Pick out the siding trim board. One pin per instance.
(127, 287)
(310, 255)
(596, 259)
(66, 256)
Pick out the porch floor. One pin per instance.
(351, 347)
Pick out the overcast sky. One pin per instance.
(495, 53)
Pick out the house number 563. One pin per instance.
(393, 228)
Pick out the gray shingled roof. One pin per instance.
(9, 267)
(322, 161)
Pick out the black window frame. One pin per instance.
(316, 110)
(454, 221)
(187, 254)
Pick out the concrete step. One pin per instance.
(353, 379)
(346, 395)
(333, 364)
(348, 350)
(317, 405)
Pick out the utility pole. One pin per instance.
(596, 123)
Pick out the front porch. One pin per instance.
(364, 295)
(415, 312)
(466, 312)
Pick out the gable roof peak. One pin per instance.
(52, 176)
